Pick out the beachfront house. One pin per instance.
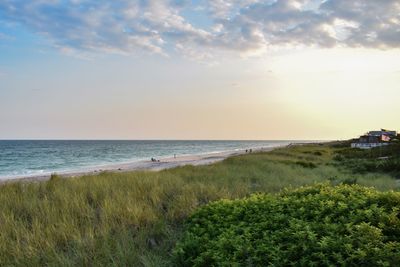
(374, 139)
(383, 132)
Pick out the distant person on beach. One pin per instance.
(153, 160)
(251, 150)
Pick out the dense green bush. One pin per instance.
(321, 225)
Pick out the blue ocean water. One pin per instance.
(30, 158)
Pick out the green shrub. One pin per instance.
(321, 225)
(306, 164)
(350, 181)
(316, 153)
(339, 157)
(384, 159)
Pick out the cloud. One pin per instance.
(378, 22)
(244, 26)
(108, 26)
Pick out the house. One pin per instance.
(382, 132)
(374, 139)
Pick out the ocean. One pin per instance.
(27, 158)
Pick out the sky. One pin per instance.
(180, 69)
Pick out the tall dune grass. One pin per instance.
(135, 218)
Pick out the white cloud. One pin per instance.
(245, 26)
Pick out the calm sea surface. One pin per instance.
(30, 158)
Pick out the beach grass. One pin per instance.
(135, 218)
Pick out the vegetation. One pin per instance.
(135, 218)
(312, 226)
(381, 159)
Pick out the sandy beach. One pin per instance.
(148, 165)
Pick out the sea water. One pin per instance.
(25, 158)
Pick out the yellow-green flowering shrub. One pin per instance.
(321, 225)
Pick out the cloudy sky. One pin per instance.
(180, 69)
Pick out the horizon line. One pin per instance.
(151, 139)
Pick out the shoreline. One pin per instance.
(144, 165)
